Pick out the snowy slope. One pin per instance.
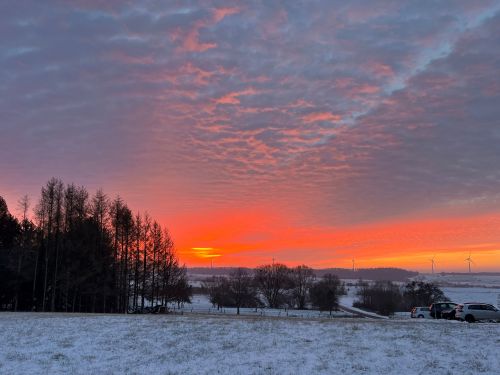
(196, 344)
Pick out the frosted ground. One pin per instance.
(198, 344)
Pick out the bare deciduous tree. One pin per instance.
(303, 278)
(273, 280)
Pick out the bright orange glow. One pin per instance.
(253, 236)
(204, 252)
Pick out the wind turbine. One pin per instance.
(469, 260)
(432, 263)
(353, 264)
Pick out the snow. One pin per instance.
(350, 296)
(475, 294)
(463, 279)
(206, 344)
(200, 304)
(467, 288)
(366, 313)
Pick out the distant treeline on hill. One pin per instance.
(389, 274)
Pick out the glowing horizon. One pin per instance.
(312, 135)
(338, 248)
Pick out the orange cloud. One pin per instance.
(205, 252)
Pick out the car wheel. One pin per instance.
(420, 316)
(469, 319)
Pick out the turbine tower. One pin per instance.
(353, 265)
(432, 264)
(469, 260)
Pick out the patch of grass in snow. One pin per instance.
(59, 357)
(394, 353)
(66, 343)
(432, 364)
(270, 370)
(16, 356)
(322, 365)
(359, 367)
(89, 358)
(476, 365)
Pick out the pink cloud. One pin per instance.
(300, 103)
(191, 42)
(199, 76)
(321, 116)
(220, 13)
(191, 38)
(380, 69)
(232, 97)
(366, 89)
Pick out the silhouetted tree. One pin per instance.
(217, 288)
(419, 293)
(302, 278)
(242, 290)
(273, 281)
(383, 297)
(236, 291)
(9, 232)
(85, 255)
(325, 293)
(49, 214)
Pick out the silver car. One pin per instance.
(473, 311)
(421, 312)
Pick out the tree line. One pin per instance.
(85, 253)
(275, 286)
(386, 297)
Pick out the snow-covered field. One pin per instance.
(200, 304)
(476, 294)
(463, 279)
(196, 344)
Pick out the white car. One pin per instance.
(421, 312)
(472, 311)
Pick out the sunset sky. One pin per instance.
(313, 132)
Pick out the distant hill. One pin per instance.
(392, 274)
